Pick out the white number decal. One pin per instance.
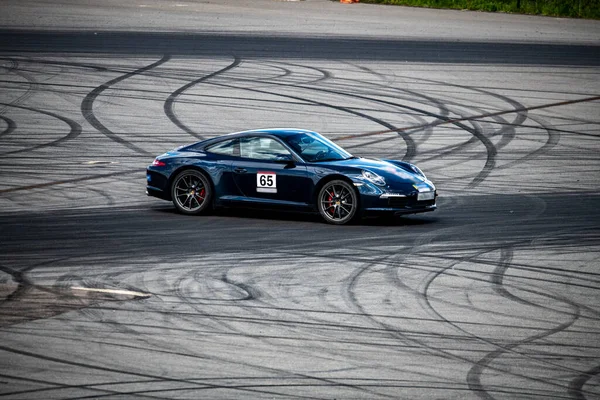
(266, 182)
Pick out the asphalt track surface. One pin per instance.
(106, 293)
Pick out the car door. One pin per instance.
(222, 154)
(267, 172)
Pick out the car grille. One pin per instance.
(397, 202)
(403, 202)
(426, 203)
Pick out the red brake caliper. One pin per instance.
(202, 193)
(331, 208)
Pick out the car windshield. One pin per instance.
(313, 147)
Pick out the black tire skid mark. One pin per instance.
(474, 374)
(31, 82)
(25, 285)
(520, 119)
(285, 72)
(195, 385)
(391, 383)
(68, 181)
(169, 105)
(409, 142)
(419, 345)
(10, 125)
(397, 333)
(473, 380)
(339, 108)
(88, 103)
(278, 371)
(496, 279)
(157, 378)
(411, 147)
(560, 278)
(577, 384)
(507, 132)
(254, 295)
(63, 386)
(507, 129)
(553, 140)
(110, 201)
(307, 100)
(427, 130)
(325, 75)
(475, 130)
(75, 129)
(165, 74)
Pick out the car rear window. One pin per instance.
(226, 147)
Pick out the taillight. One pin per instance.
(158, 163)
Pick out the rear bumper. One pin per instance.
(157, 185)
(155, 192)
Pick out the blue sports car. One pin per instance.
(287, 168)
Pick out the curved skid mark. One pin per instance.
(474, 374)
(475, 131)
(170, 102)
(88, 103)
(23, 285)
(482, 116)
(410, 144)
(60, 386)
(325, 74)
(61, 182)
(192, 382)
(553, 140)
(285, 72)
(428, 127)
(194, 320)
(73, 133)
(30, 81)
(577, 384)
(251, 293)
(10, 125)
(306, 100)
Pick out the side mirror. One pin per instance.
(284, 158)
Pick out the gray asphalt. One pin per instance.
(106, 293)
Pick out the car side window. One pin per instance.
(226, 147)
(263, 148)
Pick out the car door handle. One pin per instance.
(240, 170)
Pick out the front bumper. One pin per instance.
(377, 200)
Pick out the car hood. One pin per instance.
(391, 172)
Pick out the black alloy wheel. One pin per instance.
(337, 202)
(191, 192)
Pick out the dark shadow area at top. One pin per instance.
(335, 48)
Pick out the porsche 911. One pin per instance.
(291, 169)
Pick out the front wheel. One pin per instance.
(191, 192)
(337, 202)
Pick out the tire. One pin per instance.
(337, 202)
(191, 192)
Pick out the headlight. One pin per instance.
(373, 177)
(417, 170)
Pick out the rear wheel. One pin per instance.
(337, 202)
(191, 192)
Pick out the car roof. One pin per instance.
(279, 132)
